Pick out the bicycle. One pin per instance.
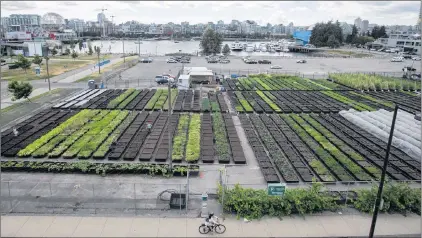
(218, 228)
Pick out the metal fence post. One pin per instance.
(51, 194)
(93, 196)
(347, 194)
(180, 198)
(187, 191)
(11, 204)
(134, 197)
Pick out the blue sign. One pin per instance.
(103, 62)
(37, 71)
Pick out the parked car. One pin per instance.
(184, 61)
(160, 79)
(275, 67)
(406, 56)
(2, 60)
(146, 60)
(13, 66)
(212, 60)
(264, 62)
(417, 58)
(251, 61)
(225, 61)
(171, 61)
(397, 59)
(302, 61)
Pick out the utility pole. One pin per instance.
(112, 24)
(384, 169)
(124, 57)
(169, 127)
(48, 74)
(139, 47)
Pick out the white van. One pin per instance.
(397, 59)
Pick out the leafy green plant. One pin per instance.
(398, 197)
(256, 203)
(268, 101)
(179, 140)
(193, 146)
(220, 136)
(374, 82)
(66, 128)
(105, 147)
(97, 168)
(153, 100)
(174, 93)
(129, 99)
(243, 101)
(348, 101)
(323, 155)
(115, 102)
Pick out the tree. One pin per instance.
(74, 55)
(352, 37)
(20, 90)
(23, 62)
(382, 32)
(97, 50)
(54, 51)
(226, 49)
(80, 45)
(211, 42)
(322, 32)
(37, 60)
(90, 52)
(333, 42)
(72, 44)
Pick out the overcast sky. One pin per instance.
(282, 12)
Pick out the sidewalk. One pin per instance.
(6, 102)
(75, 77)
(295, 226)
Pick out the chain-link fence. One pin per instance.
(181, 196)
(112, 198)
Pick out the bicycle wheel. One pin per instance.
(203, 229)
(220, 229)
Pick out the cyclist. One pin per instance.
(211, 220)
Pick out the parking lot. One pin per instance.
(145, 72)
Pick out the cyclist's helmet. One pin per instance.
(211, 214)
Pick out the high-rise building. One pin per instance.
(77, 25)
(358, 23)
(21, 22)
(364, 26)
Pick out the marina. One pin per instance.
(163, 47)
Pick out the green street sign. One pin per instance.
(276, 189)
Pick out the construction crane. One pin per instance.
(102, 20)
(112, 24)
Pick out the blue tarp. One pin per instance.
(303, 36)
(103, 63)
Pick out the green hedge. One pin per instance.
(256, 203)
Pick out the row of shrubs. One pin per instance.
(256, 203)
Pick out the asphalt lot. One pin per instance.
(145, 72)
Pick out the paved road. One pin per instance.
(145, 72)
(142, 75)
